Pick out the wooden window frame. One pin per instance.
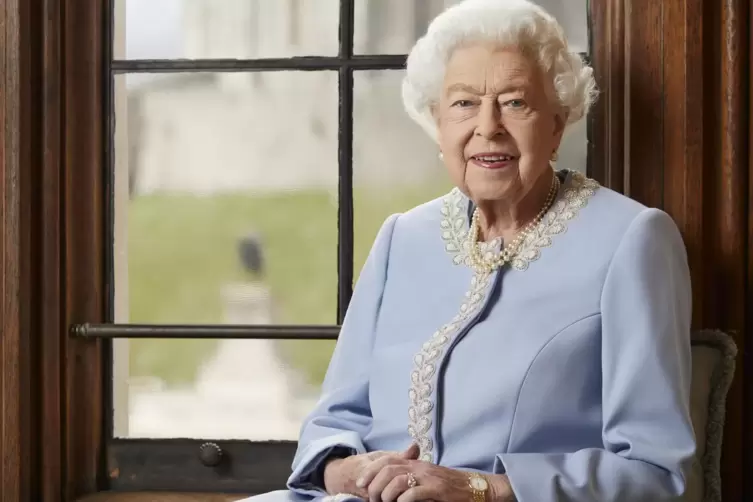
(672, 129)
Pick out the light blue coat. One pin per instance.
(569, 370)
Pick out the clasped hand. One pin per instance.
(386, 477)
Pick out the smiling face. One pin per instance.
(498, 124)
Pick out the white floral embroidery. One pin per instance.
(425, 366)
(455, 229)
(577, 189)
(575, 196)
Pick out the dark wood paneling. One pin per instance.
(685, 91)
(730, 156)
(726, 218)
(644, 98)
(683, 153)
(748, 354)
(18, 413)
(48, 228)
(10, 447)
(84, 246)
(607, 49)
(51, 243)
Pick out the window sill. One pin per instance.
(161, 497)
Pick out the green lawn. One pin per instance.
(183, 249)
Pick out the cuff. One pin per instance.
(517, 477)
(308, 469)
(537, 477)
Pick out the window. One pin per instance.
(248, 182)
(295, 15)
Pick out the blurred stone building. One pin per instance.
(209, 132)
(212, 132)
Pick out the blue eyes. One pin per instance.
(462, 103)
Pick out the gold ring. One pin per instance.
(412, 480)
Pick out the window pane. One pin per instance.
(221, 170)
(219, 389)
(396, 165)
(242, 29)
(393, 26)
(225, 213)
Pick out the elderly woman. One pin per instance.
(526, 336)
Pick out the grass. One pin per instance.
(183, 249)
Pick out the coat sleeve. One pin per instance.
(342, 416)
(649, 444)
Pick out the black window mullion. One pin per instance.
(298, 63)
(345, 161)
(345, 193)
(199, 331)
(347, 22)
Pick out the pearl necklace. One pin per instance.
(483, 264)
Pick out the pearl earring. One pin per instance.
(441, 156)
(555, 156)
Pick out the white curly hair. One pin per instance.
(512, 23)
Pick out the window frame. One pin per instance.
(248, 467)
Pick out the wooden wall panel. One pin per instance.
(84, 247)
(681, 102)
(726, 216)
(644, 92)
(50, 237)
(17, 412)
(51, 172)
(683, 161)
(607, 49)
(748, 356)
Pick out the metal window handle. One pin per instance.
(210, 454)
